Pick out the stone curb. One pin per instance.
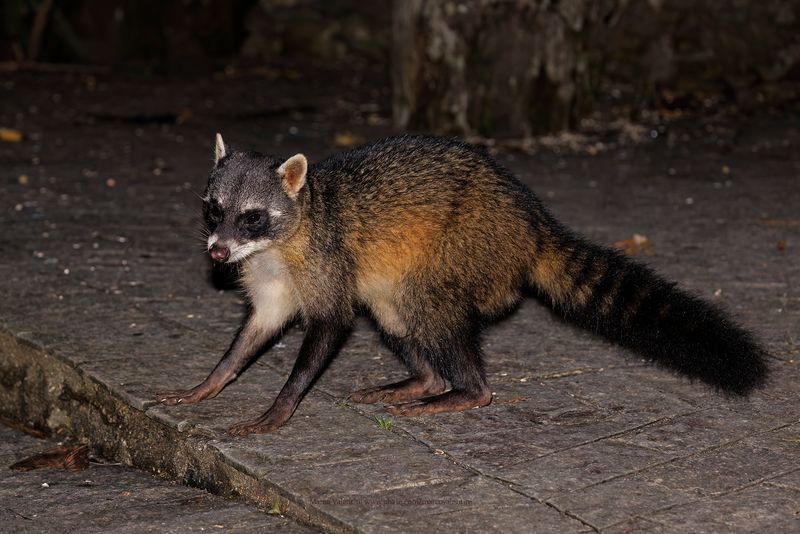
(40, 388)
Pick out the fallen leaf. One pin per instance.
(72, 458)
(564, 374)
(10, 136)
(782, 245)
(183, 116)
(347, 139)
(780, 222)
(638, 244)
(513, 400)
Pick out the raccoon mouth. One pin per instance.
(240, 252)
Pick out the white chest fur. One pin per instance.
(270, 289)
(378, 294)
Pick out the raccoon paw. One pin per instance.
(452, 401)
(266, 423)
(405, 390)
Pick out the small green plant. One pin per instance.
(386, 423)
(276, 507)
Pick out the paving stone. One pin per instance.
(579, 467)
(624, 499)
(722, 469)
(577, 424)
(783, 440)
(436, 507)
(789, 480)
(748, 510)
(694, 431)
(325, 432)
(637, 526)
(488, 452)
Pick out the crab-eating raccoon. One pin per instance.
(435, 239)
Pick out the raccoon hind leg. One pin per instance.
(425, 381)
(460, 361)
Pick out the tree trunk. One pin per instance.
(493, 67)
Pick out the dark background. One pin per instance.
(489, 68)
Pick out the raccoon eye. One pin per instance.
(253, 219)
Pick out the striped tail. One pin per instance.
(602, 290)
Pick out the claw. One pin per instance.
(179, 397)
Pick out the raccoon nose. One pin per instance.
(220, 253)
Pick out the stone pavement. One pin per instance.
(113, 498)
(107, 298)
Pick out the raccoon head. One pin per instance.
(251, 202)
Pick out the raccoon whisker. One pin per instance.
(195, 193)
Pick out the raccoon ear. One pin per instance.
(293, 172)
(220, 150)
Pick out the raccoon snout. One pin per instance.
(219, 253)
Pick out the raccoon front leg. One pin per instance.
(425, 381)
(251, 337)
(321, 342)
